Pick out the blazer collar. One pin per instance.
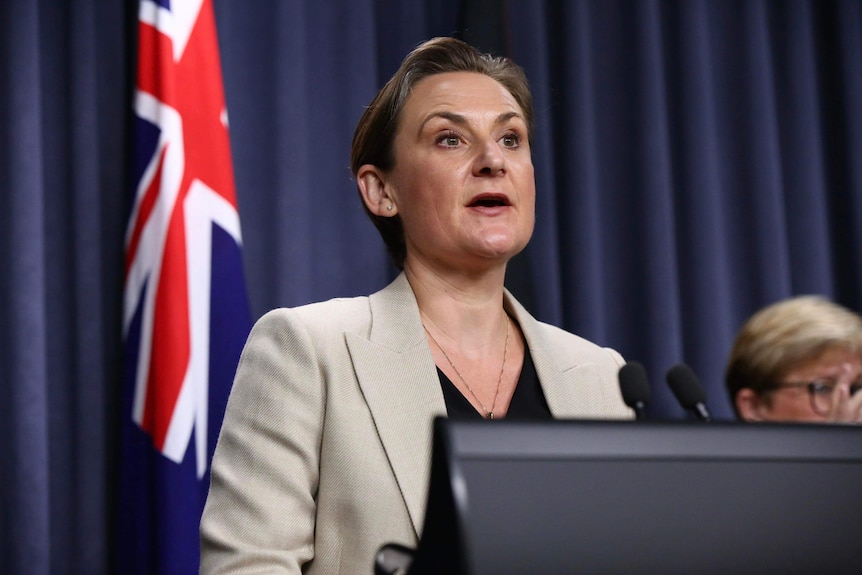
(566, 374)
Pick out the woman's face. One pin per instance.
(463, 176)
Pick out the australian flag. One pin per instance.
(186, 314)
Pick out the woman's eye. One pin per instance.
(821, 388)
(511, 140)
(449, 140)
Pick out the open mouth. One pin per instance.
(489, 201)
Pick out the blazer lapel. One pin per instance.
(398, 378)
(566, 377)
(567, 389)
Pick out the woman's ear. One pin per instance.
(374, 191)
(748, 404)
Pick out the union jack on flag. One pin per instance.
(186, 312)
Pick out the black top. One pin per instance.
(528, 401)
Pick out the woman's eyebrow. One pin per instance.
(461, 120)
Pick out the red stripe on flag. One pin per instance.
(171, 345)
(208, 155)
(144, 210)
(157, 74)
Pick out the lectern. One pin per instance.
(570, 497)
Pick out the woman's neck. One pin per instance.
(465, 309)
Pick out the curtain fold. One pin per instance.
(24, 410)
(62, 167)
(695, 161)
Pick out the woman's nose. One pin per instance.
(489, 160)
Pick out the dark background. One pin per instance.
(695, 160)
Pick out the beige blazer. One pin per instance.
(325, 448)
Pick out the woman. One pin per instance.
(325, 448)
(799, 359)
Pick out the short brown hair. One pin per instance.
(785, 335)
(374, 138)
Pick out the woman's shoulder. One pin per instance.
(322, 315)
(555, 335)
(333, 317)
(547, 333)
(338, 311)
(560, 342)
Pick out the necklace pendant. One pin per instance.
(490, 414)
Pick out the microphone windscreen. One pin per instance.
(685, 386)
(634, 384)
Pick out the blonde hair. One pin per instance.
(785, 335)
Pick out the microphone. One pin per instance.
(393, 559)
(688, 391)
(635, 388)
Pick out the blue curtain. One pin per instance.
(695, 161)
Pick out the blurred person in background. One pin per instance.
(799, 359)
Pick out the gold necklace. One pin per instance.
(489, 413)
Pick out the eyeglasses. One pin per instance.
(820, 392)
